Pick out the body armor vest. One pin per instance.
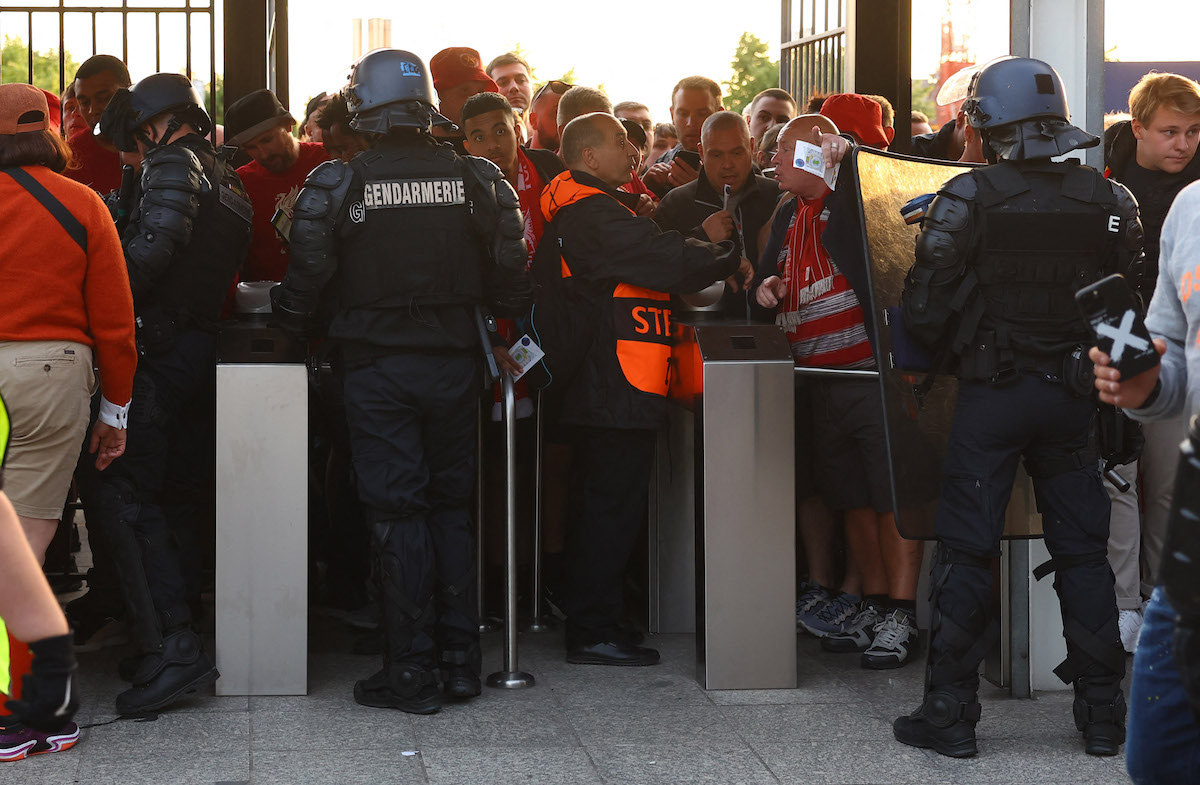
(409, 230)
(193, 290)
(1043, 231)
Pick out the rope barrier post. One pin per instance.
(537, 622)
(511, 678)
(485, 624)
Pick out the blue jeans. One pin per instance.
(1163, 738)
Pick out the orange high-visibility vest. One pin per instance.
(641, 317)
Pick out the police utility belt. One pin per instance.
(990, 359)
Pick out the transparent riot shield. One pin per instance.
(918, 418)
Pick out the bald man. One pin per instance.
(702, 208)
(621, 270)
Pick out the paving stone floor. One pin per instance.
(579, 724)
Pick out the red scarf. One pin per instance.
(529, 192)
(804, 263)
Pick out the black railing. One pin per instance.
(813, 53)
(196, 14)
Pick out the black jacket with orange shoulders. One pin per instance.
(622, 270)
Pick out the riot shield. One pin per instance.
(917, 419)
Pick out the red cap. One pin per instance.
(54, 104)
(856, 114)
(23, 108)
(451, 67)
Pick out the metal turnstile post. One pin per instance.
(511, 677)
(485, 624)
(537, 622)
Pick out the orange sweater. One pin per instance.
(51, 291)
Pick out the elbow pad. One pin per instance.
(945, 239)
(499, 215)
(1132, 240)
(172, 183)
(314, 221)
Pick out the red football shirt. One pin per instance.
(95, 167)
(268, 192)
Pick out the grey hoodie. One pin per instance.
(1174, 312)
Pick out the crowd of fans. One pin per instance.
(721, 177)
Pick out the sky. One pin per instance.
(634, 56)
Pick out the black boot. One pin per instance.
(460, 672)
(944, 723)
(407, 687)
(1099, 710)
(165, 676)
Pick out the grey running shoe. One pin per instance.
(859, 631)
(833, 616)
(812, 597)
(895, 639)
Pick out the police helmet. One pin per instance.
(1019, 106)
(155, 95)
(389, 88)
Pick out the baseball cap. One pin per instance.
(23, 108)
(858, 115)
(451, 67)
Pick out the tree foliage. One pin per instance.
(753, 72)
(14, 58)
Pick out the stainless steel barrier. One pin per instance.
(485, 624)
(537, 622)
(511, 677)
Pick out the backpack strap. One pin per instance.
(55, 207)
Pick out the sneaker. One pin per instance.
(859, 631)
(812, 595)
(18, 742)
(895, 638)
(832, 616)
(1129, 622)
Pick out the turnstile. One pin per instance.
(262, 513)
(723, 492)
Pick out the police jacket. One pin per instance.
(622, 269)
(1003, 250)
(188, 233)
(406, 237)
(685, 208)
(1155, 193)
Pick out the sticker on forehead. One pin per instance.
(421, 192)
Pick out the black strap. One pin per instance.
(56, 208)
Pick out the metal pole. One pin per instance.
(485, 624)
(537, 623)
(510, 678)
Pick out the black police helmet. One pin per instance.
(155, 95)
(1010, 89)
(389, 88)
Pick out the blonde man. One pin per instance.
(1154, 155)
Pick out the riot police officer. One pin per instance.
(418, 238)
(1001, 253)
(186, 231)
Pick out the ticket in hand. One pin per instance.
(526, 354)
(809, 158)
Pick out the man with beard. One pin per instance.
(260, 125)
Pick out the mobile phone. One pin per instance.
(1117, 326)
(689, 158)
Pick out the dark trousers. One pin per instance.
(138, 492)
(993, 428)
(609, 495)
(412, 420)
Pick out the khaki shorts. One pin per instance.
(47, 387)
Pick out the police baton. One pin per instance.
(486, 325)
(511, 677)
(485, 624)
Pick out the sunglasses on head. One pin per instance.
(557, 86)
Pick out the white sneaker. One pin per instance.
(896, 637)
(1129, 622)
